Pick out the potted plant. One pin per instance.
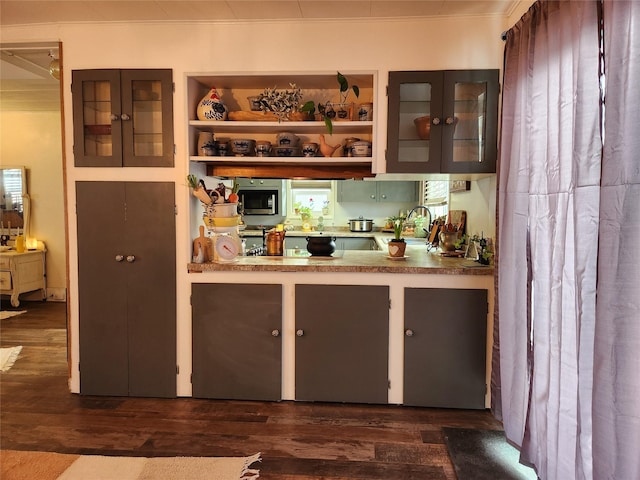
(282, 103)
(327, 110)
(397, 245)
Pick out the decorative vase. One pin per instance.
(396, 248)
(448, 241)
(211, 107)
(205, 144)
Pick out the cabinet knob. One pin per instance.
(125, 117)
(408, 332)
(373, 197)
(275, 333)
(300, 333)
(114, 117)
(435, 121)
(119, 258)
(449, 121)
(383, 196)
(131, 258)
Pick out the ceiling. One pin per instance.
(24, 68)
(19, 12)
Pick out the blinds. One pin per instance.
(436, 192)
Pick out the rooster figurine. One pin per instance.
(326, 149)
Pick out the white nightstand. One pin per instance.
(22, 272)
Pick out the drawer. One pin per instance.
(5, 280)
(5, 263)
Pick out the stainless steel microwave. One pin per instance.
(262, 201)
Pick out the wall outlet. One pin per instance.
(57, 294)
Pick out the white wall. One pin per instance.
(349, 45)
(33, 139)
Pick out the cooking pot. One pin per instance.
(361, 225)
(321, 246)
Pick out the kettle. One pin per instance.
(274, 241)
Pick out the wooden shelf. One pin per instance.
(276, 127)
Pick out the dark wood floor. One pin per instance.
(297, 440)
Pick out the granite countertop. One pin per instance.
(417, 260)
(329, 232)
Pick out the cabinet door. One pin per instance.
(123, 118)
(147, 118)
(127, 288)
(470, 118)
(355, 243)
(97, 129)
(357, 191)
(342, 343)
(398, 191)
(387, 191)
(460, 110)
(237, 347)
(295, 242)
(413, 95)
(445, 347)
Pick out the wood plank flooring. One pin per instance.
(298, 440)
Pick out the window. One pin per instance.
(436, 197)
(315, 194)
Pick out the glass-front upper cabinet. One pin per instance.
(442, 121)
(123, 118)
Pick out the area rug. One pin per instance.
(4, 314)
(8, 357)
(19, 465)
(484, 455)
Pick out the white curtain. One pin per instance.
(549, 179)
(616, 389)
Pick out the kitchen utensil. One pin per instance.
(202, 248)
(321, 246)
(274, 240)
(361, 225)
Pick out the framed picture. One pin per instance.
(459, 186)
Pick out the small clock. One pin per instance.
(226, 248)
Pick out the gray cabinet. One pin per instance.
(237, 346)
(355, 243)
(342, 343)
(445, 347)
(459, 109)
(342, 243)
(388, 191)
(122, 118)
(127, 288)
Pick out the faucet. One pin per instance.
(420, 207)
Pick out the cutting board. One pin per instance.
(202, 247)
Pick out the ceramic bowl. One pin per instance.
(222, 209)
(309, 149)
(361, 149)
(243, 146)
(221, 221)
(287, 139)
(254, 103)
(263, 148)
(286, 151)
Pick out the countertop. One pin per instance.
(417, 260)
